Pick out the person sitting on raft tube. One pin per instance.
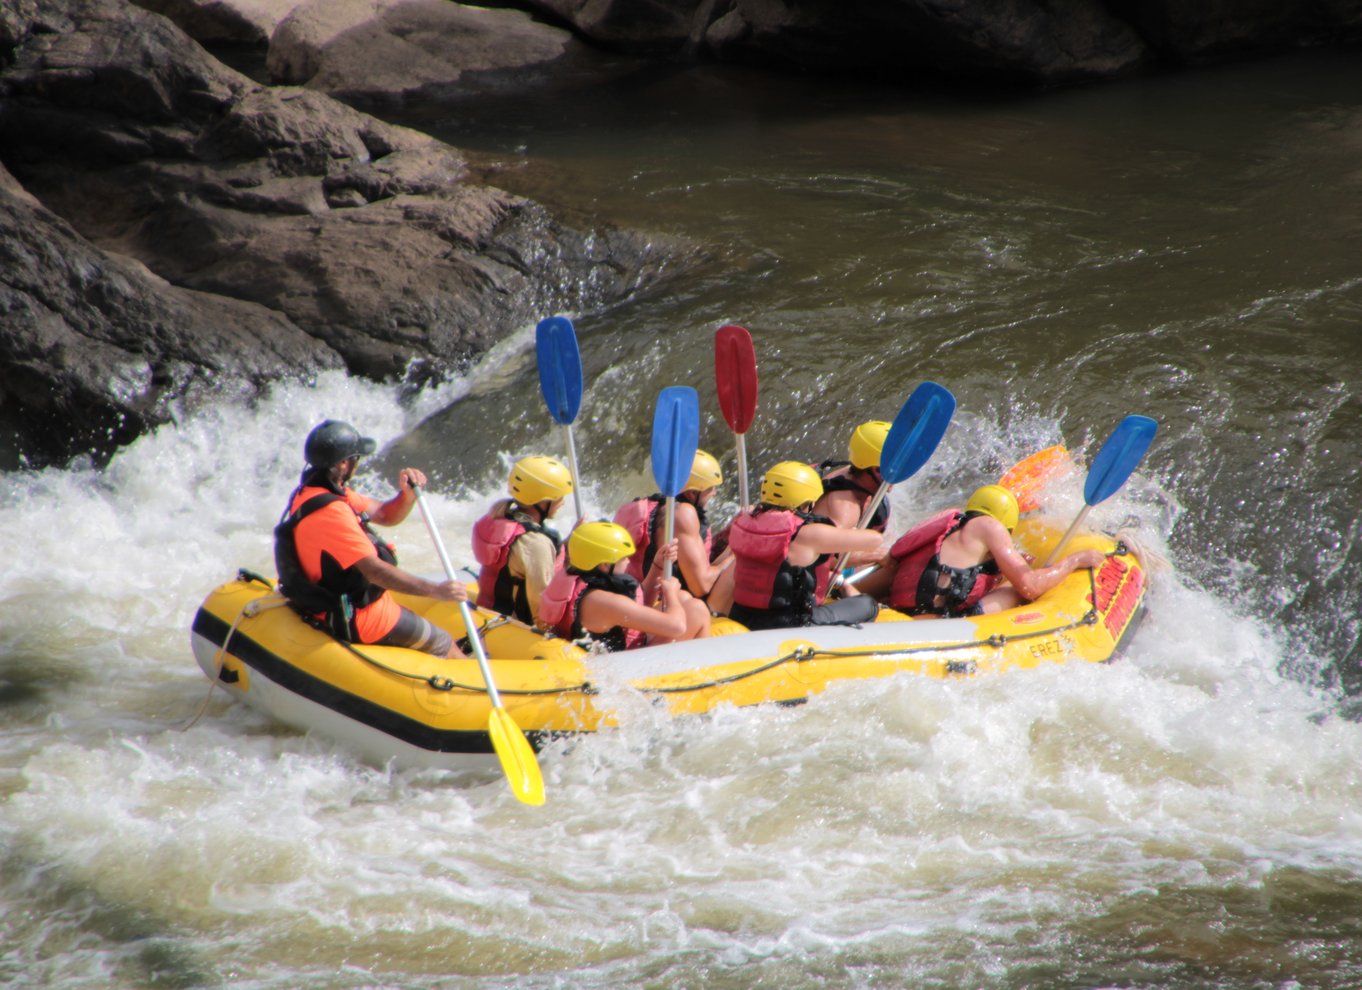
(964, 563)
(848, 487)
(778, 546)
(334, 569)
(517, 550)
(646, 521)
(595, 596)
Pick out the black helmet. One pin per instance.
(332, 441)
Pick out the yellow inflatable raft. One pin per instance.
(391, 704)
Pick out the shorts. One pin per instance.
(417, 633)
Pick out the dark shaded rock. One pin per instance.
(97, 349)
(1023, 40)
(369, 238)
(390, 51)
(1043, 42)
(1188, 33)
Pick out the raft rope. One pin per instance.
(800, 654)
(248, 611)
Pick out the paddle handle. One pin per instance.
(1068, 535)
(669, 528)
(468, 621)
(572, 470)
(740, 441)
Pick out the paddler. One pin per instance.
(595, 597)
(965, 563)
(779, 545)
(334, 569)
(517, 550)
(848, 487)
(645, 521)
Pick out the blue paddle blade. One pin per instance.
(676, 434)
(1118, 457)
(916, 431)
(560, 367)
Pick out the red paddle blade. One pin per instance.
(735, 375)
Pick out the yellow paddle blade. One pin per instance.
(517, 758)
(1027, 477)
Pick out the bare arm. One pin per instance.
(1030, 582)
(392, 578)
(820, 538)
(397, 508)
(603, 610)
(691, 558)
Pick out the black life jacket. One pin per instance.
(340, 592)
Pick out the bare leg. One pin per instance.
(1000, 599)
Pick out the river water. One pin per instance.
(1190, 816)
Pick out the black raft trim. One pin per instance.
(352, 706)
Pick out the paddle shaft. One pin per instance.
(576, 478)
(668, 532)
(467, 613)
(740, 441)
(1068, 535)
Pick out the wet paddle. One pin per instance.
(676, 434)
(512, 748)
(1111, 467)
(735, 379)
(560, 379)
(913, 438)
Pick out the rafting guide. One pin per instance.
(335, 569)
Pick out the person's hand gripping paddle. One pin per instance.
(735, 379)
(1124, 449)
(676, 434)
(511, 746)
(560, 379)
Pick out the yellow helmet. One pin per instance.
(995, 501)
(534, 479)
(704, 473)
(595, 543)
(867, 441)
(791, 484)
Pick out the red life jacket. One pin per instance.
(644, 518)
(917, 580)
(764, 580)
(639, 516)
(560, 607)
(493, 537)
